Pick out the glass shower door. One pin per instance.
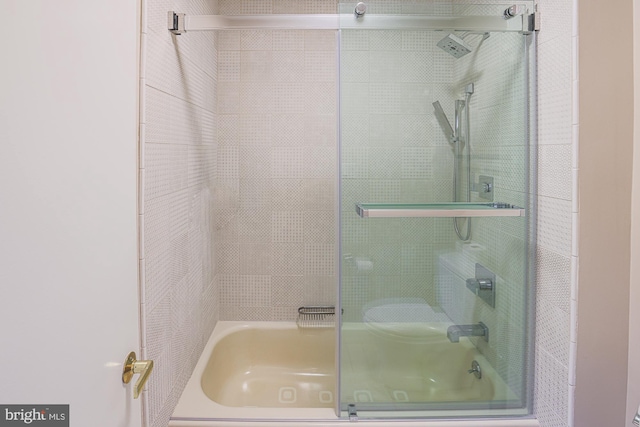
(435, 243)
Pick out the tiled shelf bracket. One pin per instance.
(437, 210)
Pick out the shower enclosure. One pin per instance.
(412, 183)
(435, 203)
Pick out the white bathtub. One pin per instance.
(271, 373)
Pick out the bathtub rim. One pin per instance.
(194, 408)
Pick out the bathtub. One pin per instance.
(271, 373)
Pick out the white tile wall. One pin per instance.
(277, 101)
(178, 166)
(557, 196)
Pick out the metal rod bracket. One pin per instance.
(176, 22)
(530, 23)
(534, 21)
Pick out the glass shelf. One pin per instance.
(437, 210)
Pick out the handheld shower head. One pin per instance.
(444, 122)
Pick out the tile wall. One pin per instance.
(178, 132)
(276, 170)
(557, 214)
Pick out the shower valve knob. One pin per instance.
(480, 284)
(486, 187)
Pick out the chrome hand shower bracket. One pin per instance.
(530, 21)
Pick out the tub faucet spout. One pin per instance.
(454, 332)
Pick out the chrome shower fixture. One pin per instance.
(456, 46)
(458, 137)
(469, 89)
(444, 122)
(360, 9)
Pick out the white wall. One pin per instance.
(633, 376)
(606, 155)
(68, 247)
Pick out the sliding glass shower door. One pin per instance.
(436, 210)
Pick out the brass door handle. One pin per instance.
(133, 366)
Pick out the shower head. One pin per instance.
(454, 46)
(444, 122)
